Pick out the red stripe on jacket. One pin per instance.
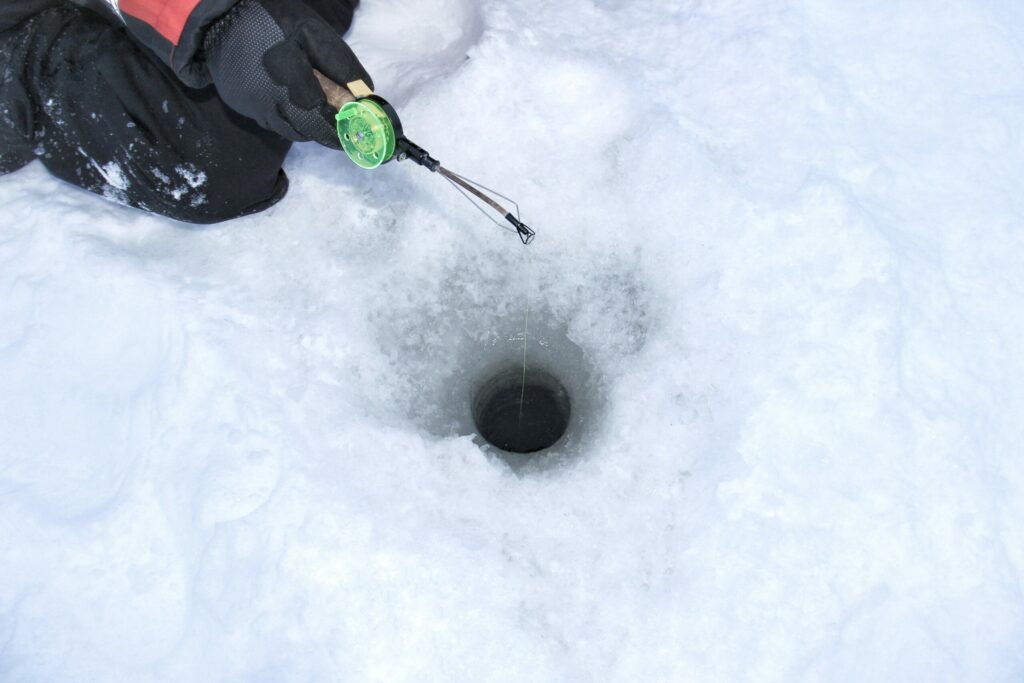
(167, 17)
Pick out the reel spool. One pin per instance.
(371, 135)
(369, 129)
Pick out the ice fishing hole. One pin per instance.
(522, 413)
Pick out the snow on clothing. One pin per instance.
(120, 109)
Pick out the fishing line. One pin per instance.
(526, 332)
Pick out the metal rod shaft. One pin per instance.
(525, 233)
(472, 190)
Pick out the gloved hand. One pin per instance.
(261, 57)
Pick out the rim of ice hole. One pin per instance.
(521, 412)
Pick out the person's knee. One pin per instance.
(16, 147)
(115, 121)
(17, 118)
(215, 196)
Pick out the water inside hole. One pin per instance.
(520, 417)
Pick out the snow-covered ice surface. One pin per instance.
(787, 236)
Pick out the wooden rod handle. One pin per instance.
(337, 95)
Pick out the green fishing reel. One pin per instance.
(371, 135)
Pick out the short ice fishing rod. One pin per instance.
(371, 135)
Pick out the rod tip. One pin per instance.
(525, 233)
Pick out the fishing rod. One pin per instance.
(371, 134)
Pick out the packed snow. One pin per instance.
(787, 237)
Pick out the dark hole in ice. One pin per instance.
(522, 417)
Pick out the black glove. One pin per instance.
(337, 13)
(261, 57)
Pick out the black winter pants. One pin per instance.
(101, 112)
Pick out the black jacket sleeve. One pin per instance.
(174, 30)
